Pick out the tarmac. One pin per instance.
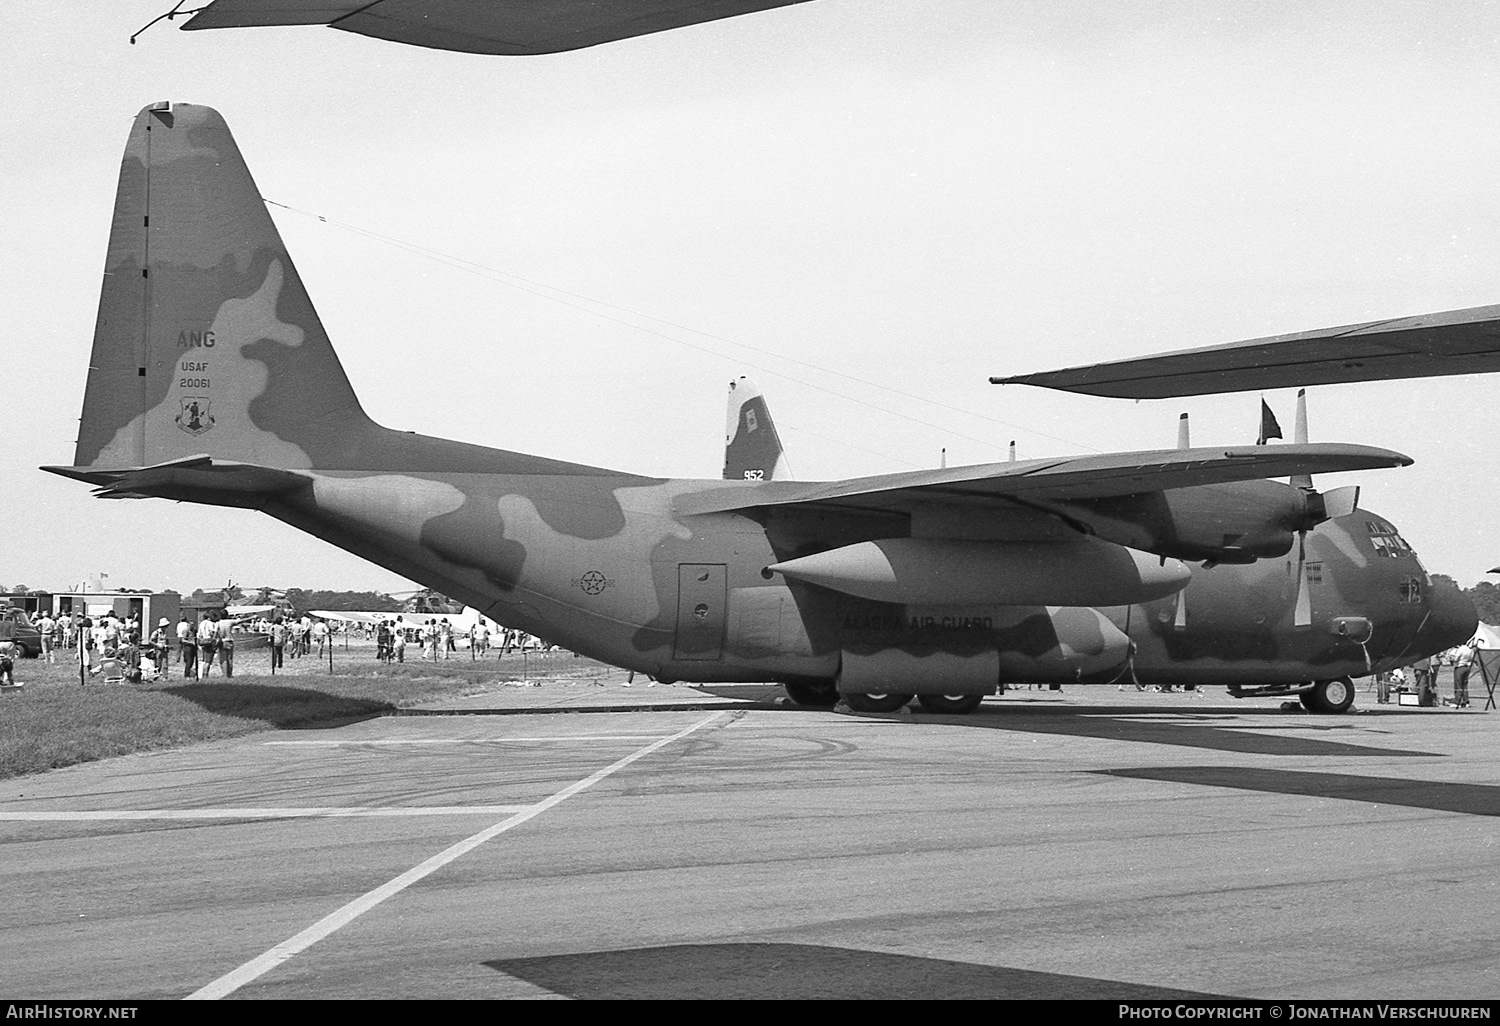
(672, 841)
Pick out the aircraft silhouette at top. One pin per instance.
(479, 26)
(212, 381)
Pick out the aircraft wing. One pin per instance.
(1060, 480)
(1451, 342)
(479, 26)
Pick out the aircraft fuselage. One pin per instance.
(605, 566)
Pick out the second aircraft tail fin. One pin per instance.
(752, 448)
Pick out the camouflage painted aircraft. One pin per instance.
(212, 381)
(1272, 627)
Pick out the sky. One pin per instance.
(869, 208)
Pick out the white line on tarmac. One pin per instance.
(259, 966)
(257, 813)
(458, 740)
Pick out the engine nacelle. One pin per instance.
(948, 571)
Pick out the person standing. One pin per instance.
(226, 647)
(45, 626)
(383, 641)
(161, 651)
(278, 643)
(1463, 663)
(208, 644)
(187, 648)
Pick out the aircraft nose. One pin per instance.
(1451, 619)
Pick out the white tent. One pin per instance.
(1487, 637)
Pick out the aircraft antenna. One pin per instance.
(174, 12)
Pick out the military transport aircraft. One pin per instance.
(1272, 627)
(212, 380)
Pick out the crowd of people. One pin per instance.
(1421, 677)
(438, 639)
(118, 649)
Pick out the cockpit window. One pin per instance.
(1386, 541)
(1411, 590)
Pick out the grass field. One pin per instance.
(53, 721)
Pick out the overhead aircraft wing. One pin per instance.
(1451, 342)
(482, 26)
(1069, 479)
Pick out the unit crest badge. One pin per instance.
(195, 418)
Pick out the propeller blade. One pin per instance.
(1299, 435)
(1302, 613)
(1340, 502)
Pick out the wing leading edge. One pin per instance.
(1430, 345)
(1077, 478)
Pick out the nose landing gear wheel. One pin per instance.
(953, 704)
(876, 703)
(1329, 697)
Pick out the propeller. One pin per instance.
(1179, 615)
(1321, 506)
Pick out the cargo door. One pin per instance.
(701, 601)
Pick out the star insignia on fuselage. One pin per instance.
(593, 582)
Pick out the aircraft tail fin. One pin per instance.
(206, 341)
(752, 448)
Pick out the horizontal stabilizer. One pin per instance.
(193, 478)
(1452, 342)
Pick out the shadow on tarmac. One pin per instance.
(1224, 731)
(801, 971)
(283, 707)
(1471, 799)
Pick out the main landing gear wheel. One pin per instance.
(1329, 696)
(953, 704)
(811, 695)
(876, 703)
